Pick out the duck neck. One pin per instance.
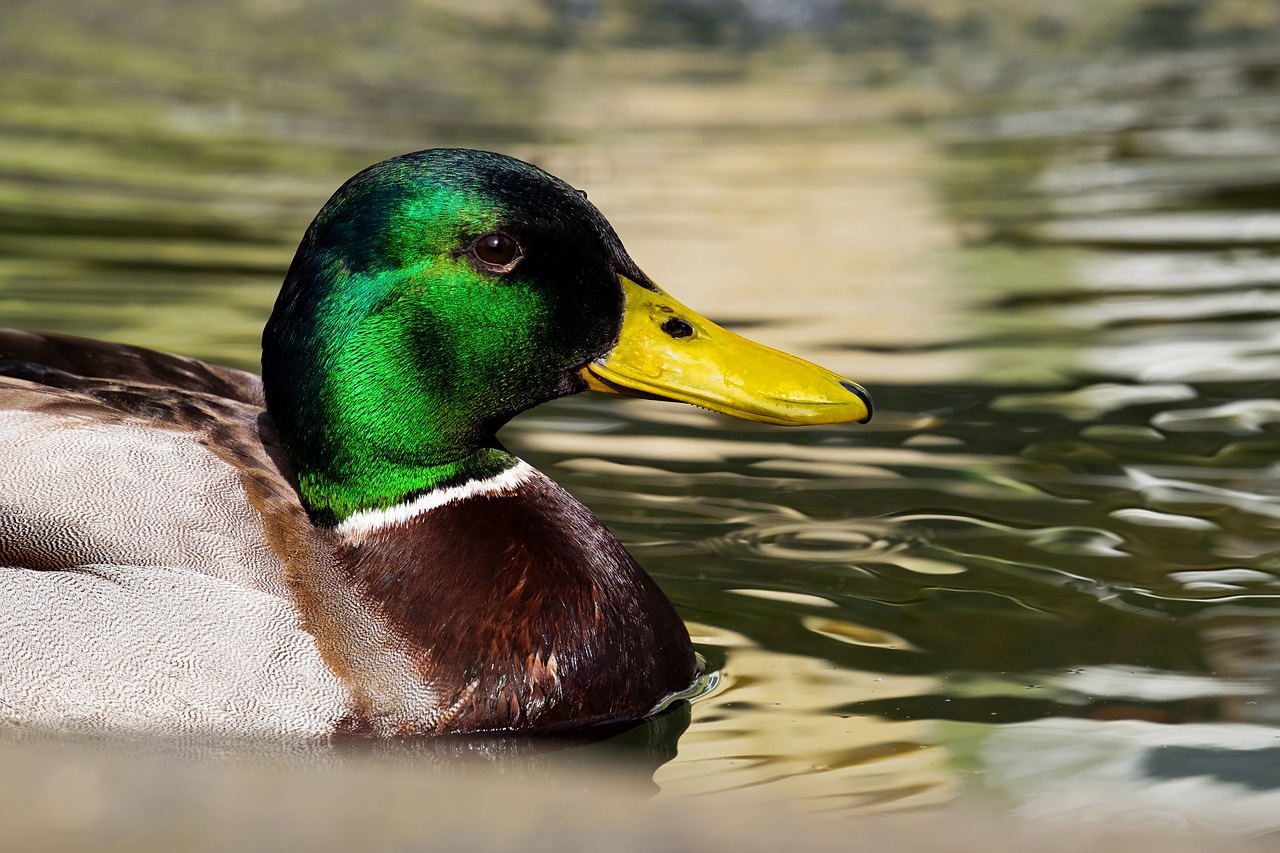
(480, 478)
(381, 425)
(385, 485)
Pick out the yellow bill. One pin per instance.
(669, 352)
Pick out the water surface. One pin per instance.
(1044, 575)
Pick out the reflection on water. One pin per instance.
(1047, 569)
(1153, 221)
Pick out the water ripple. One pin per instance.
(1239, 417)
(845, 631)
(1158, 271)
(1093, 401)
(1170, 229)
(1166, 491)
(813, 542)
(1151, 518)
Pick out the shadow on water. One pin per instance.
(632, 751)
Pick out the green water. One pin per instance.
(1045, 574)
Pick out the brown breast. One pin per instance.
(524, 609)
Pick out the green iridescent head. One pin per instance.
(435, 296)
(440, 293)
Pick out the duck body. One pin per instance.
(161, 574)
(342, 546)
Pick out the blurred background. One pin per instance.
(1045, 235)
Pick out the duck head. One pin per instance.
(438, 294)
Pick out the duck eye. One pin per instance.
(496, 252)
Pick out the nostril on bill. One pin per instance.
(861, 393)
(677, 328)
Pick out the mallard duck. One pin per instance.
(343, 546)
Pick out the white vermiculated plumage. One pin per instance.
(169, 620)
(114, 492)
(172, 652)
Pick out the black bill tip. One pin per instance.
(861, 393)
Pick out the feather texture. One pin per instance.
(158, 572)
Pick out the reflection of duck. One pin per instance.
(367, 557)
